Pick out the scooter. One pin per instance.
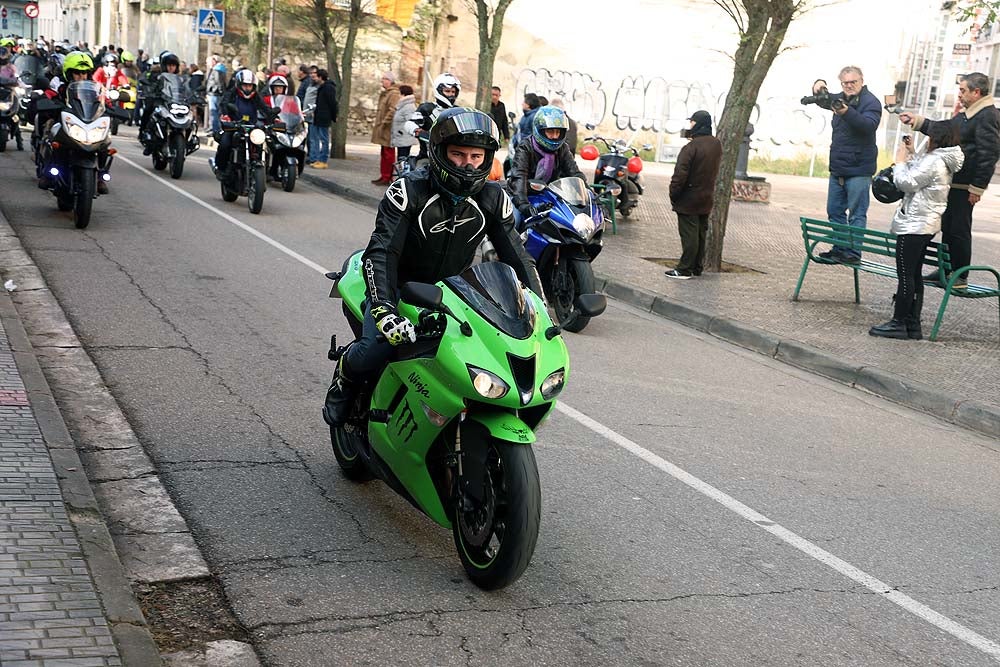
(449, 423)
(123, 98)
(285, 138)
(618, 170)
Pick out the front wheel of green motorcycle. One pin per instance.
(345, 449)
(496, 538)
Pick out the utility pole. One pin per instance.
(270, 36)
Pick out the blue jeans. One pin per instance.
(213, 112)
(319, 143)
(847, 204)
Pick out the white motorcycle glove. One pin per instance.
(396, 328)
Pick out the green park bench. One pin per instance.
(871, 242)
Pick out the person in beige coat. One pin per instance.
(382, 128)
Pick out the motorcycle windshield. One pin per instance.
(173, 88)
(29, 68)
(290, 113)
(572, 190)
(493, 290)
(86, 99)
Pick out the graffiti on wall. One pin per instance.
(581, 93)
(662, 106)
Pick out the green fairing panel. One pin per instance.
(351, 285)
(505, 426)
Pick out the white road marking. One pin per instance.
(228, 218)
(870, 582)
(873, 584)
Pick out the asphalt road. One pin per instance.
(701, 504)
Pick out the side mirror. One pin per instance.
(422, 294)
(510, 114)
(591, 305)
(590, 126)
(537, 186)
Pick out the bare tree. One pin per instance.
(336, 30)
(761, 25)
(489, 43)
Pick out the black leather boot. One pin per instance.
(339, 396)
(913, 318)
(892, 329)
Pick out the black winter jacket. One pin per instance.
(326, 105)
(979, 126)
(237, 106)
(421, 235)
(853, 149)
(522, 170)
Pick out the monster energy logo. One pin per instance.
(406, 421)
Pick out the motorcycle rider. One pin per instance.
(110, 76)
(276, 85)
(428, 227)
(7, 70)
(241, 103)
(77, 66)
(446, 90)
(132, 73)
(543, 156)
(169, 64)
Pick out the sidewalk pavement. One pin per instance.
(956, 377)
(64, 599)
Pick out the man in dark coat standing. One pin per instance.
(979, 131)
(324, 116)
(499, 113)
(691, 190)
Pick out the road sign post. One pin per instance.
(211, 23)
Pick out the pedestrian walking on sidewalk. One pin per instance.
(979, 127)
(691, 193)
(853, 156)
(925, 181)
(382, 127)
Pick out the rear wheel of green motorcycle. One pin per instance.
(345, 449)
(496, 539)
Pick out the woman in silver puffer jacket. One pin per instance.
(925, 181)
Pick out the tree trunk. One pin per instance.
(489, 44)
(767, 22)
(339, 148)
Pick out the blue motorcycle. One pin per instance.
(564, 237)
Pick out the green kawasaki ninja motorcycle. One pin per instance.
(448, 424)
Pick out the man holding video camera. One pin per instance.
(853, 153)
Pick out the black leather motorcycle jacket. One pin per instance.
(421, 235)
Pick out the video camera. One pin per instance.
(823, 98)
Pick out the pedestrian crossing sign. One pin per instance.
(211, 22)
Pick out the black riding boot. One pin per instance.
(913, 318)
(892, 329)
(340, 395)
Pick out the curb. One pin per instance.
(128, 625)
(967, 413)
(952, 408)
(341, 190)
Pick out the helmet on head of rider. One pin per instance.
(246, 83)
(455, 168)
(275, 82)
(446, 89)
(549, 127)
(168, 58)
(77, 63)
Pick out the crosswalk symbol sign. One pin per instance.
(211, 22)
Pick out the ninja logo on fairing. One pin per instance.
(418, 385)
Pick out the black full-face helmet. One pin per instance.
(462, 127)
(884, 188)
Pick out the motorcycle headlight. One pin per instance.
(584, 225)
(179, 109)
(258, 136)
(615, 189)
(5, 106)
(83, 134)
(553, 384)
(113, 95)
(298, 139)
(21, 92)
(284, 139)
(487, 384)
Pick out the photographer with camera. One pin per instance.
(979, 128)
(853, 153)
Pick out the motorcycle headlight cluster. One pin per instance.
(179, 109)
(553, 384)
(258, 136)
(487, 384)
(21, 92)
(584, 225)
(87, 134)
(300, 136)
